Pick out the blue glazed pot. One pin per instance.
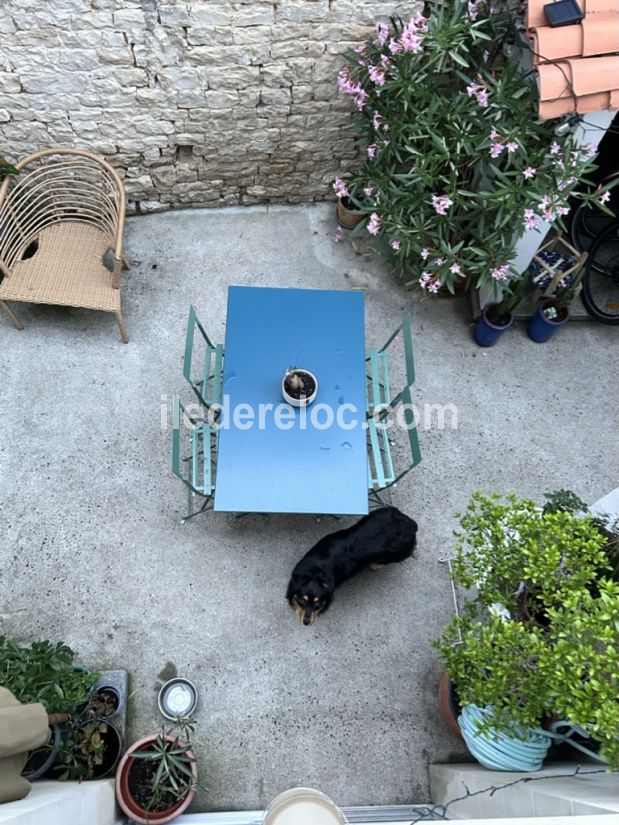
(487, 333)
(541, 329)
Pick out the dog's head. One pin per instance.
(309, 596)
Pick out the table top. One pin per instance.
(306, 468)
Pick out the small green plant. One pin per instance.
(44, 672)
(6, 168)
(167, 776)
(539, 634)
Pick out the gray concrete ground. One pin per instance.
(93, 551)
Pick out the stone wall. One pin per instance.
(196, 102)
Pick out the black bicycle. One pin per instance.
(588, 221)
(600, 283)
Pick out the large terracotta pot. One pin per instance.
(448, 704)
(127, 802)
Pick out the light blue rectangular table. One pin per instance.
(297, 470)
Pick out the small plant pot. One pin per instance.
(41, 760)
(127, 802)
(449, 704)
(347, 218)
(104, 702)
(311, 384)
(541, 329)
(488, 332)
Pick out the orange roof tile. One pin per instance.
(578, 65)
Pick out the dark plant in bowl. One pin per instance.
(90, 751)
(103, 702)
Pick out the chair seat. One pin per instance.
(66, 269)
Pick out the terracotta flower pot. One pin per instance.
(347, 218)
(127, 802)
(449, 705)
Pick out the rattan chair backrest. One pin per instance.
(56, 185)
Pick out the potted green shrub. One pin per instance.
(539, 635)
(44, 672)
(553, 312)
(457, 163)
(157, 776)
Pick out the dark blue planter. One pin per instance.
(486, 333)
(541, 329)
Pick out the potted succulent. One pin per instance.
(498, 316)
(157, 776)
(440, 87)
(516, 661)
(299, 386)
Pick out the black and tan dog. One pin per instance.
(383, 537)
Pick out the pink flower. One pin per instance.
(377, 120)
(425, 279)
(410, 40)
(395, 245)
(338, 237)
(377, 75)
(355, 90)
(372, 151)
(554, 148)
(395, 46)
(441, 203)
(494, 134)
(605, 197)
(499, 273)
(482, 98)
(480, 94)
(455, 268)
(529, 172)
(425, 253)
(496, 149)
(530, 219)
(367, 190)
(439, 261)
(512, 146)
(340, 189)
(385, 62)
(386, 142)
(383, 34)
(374, 224)
(419, 22)
(473, 9)
(434, 286)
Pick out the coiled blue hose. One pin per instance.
(524, 751)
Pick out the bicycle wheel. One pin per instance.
(588, 221)
(600, 283)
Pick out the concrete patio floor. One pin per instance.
(93, 551)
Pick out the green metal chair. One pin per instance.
(194, 456)
(205, 378)
(383, 408)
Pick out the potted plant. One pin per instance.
(299, 386)
(44, 672)
(457, 164)
(157, 776)
(91, 750)
(554, 652)
(348, 215)
(498, 316)
(553, 311)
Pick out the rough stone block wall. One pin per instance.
(195, 102)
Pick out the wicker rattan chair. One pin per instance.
(61, 233)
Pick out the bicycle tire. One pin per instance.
(600, 283)
(588, 222)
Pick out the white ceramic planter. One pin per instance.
(299, 402)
